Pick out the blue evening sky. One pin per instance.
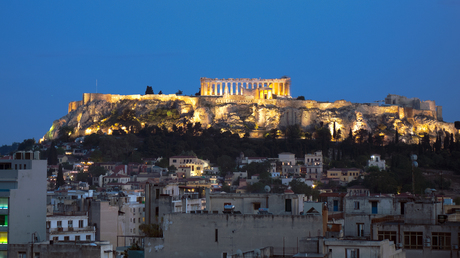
(51, 52)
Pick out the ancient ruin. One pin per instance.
(258, 88)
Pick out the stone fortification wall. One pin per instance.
(74, 105)
(210, 235)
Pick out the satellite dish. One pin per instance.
(239, 252)
(267, 189)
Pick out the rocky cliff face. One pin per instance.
(239, 114)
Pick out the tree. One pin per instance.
(164, 163)
(96, 171)
(82, 177)
(160, 92)
(261, 168)
(26, 145)
(134, 246)
(301, 188)
(300, 98)
(334, 133)
(65, 132)
(149, 90)
(151, 230)
(60, 177)
(179, 92)
(226, 164)
(52, 155)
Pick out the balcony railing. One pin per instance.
(60, 230)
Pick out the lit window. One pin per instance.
(3, 237)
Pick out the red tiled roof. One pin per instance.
(116, 175)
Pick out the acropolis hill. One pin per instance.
(253, 106)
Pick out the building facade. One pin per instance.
(22, 199)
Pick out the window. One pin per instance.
(413, 240)
(356, 205)
(139, 220)
(256, 205)
(352, 252)
(36, 255)
(3, 203)
(360, 228)
(134, 230)
(77, 238)
(336, 205)
(88, 237)
(70, 223)
(216, 232)
(390, 235)
(374, 208)
(80, 223)
(441, 240)
(59, 224)
(55, 239)
(66, 238)
(3, 220)
(48, 224)
(288, 205)
(21, 254)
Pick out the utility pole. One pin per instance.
(414, 165)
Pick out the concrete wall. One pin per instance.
(105, 218)
(422, 212)
(209, 235)
(63, 250)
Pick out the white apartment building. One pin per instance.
(72, 227)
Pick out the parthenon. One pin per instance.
(258, 88)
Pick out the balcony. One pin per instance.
(61, 230)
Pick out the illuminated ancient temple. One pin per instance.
(258, 88)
